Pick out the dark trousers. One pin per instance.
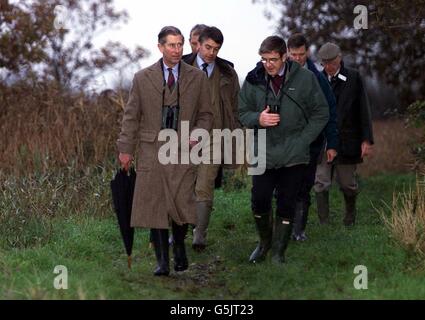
(287, 181)
(178, 232)
(306, 186)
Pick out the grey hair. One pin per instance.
(168, 30)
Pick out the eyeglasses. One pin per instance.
(174, 45)
(271, 60)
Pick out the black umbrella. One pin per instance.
(122, 187)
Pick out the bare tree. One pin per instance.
(55, 38)
(391, 47)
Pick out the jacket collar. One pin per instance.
(224, 65)
(312, 67)
(155, 74)
(257, 76)
(342, 71)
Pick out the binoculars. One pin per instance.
(170, 117)
(274, 109)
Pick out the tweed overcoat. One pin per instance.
(163, 191)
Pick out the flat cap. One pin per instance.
(329, 51)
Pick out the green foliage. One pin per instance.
(235, 179)
(416, 113)
(416, 117)
(29, 204)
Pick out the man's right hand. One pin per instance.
(330, 155)
(268, 119)
(125, 160)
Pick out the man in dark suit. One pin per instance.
(298, 49)
(355, 133)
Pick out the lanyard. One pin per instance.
(269, 78)
(282, 93)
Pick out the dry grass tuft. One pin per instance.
(43, 129)
(406, 221)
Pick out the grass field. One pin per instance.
(51, 220)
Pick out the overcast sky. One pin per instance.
(243, 24)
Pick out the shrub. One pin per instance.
(406, 221)
(416, 117)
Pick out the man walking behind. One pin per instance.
(355, 134)
(194, 37)
(327, 141)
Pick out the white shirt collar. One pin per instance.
(175, 70)
(201, 61)
(282, 71)
(335, 75)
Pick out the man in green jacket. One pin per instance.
(287, 101)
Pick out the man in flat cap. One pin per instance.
(355, 134)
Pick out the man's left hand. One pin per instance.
(367, 149)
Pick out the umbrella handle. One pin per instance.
(129, 262)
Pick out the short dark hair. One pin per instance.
(212, 33)
(273, 43)
(168, 30)
(297, 40)
(197, 30)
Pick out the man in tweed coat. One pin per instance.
(164, 194)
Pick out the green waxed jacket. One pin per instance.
(304, 113)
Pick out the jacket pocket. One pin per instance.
(147, 150)
(301, 150)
